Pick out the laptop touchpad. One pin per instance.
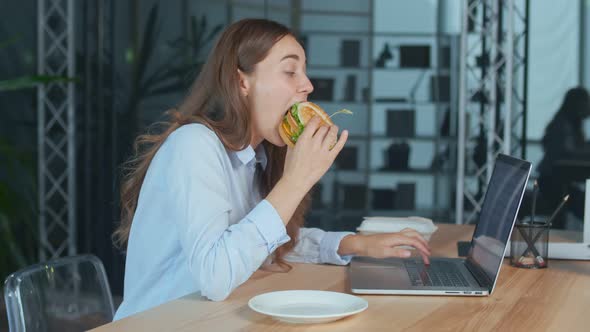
(379, 274)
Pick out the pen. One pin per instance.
(535, 190)
(558, 209)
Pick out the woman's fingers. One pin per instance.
(321, 134)
(403, 240)
(339, 144)
(397, 252)
(395, 245)
(311, 127)
(414, 234)
(317, 132)
(327, 136)
(331, 138)
(404, 253)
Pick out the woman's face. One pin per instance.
(276, 83)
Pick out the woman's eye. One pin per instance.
(290, 73)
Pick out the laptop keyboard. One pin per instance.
(438, 273)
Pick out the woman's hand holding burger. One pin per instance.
(313, 154)
(313, 146)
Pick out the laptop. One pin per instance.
(475, 275)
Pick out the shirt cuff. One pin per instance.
(269, 225)
(329, 248)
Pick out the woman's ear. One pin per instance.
(244, 83)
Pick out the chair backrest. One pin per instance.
(64, 294)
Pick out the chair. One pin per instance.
(64, 294)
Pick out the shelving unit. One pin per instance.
(430, 183)
(343, 43)
(344, 190)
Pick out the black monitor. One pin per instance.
(414, 56)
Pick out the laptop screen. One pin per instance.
(498, 213)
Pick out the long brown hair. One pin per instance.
(214, 100)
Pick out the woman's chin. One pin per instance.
(279, 143)
(276, 140)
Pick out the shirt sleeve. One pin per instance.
(317, 246)
(220, 256)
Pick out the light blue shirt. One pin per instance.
(201, 225)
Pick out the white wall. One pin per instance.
(417, 16)
(554, 41)
(586, 36)
(586, 60)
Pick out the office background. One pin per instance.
(394, 63)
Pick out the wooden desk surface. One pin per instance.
(556, 298)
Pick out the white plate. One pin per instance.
(307, 306)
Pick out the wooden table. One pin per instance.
(556, 298)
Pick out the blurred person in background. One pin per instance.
(564, 143)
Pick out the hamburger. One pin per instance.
(298, 116)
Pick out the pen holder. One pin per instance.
(529, 245)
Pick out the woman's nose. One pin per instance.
(306, 86)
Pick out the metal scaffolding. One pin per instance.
(492, 95)
(56, 130)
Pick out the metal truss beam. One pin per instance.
(56, 130)
(492, 95)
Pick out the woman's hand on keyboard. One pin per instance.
(385, 245)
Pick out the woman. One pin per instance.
(195, 214)
(564, 140)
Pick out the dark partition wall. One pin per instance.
(136, 60)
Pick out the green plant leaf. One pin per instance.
(212, 34)
(150, 36)
(168, 88)
(31, 81)
(10, 41)
(196, 31)
(10, 241)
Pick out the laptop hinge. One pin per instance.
(479, 275)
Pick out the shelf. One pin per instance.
(334, 12)
(261, 6)
(343, 34)
(404, 213)
(425, 171)
(442, 71)
(379, 171)
(356, 137)
(340, 102)
(325, 62)
(415, 138)
(333, 212)
(399, 102)
(382, 137)
(337, 67)
(370, 34)
(344, 172)
(411, 34)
